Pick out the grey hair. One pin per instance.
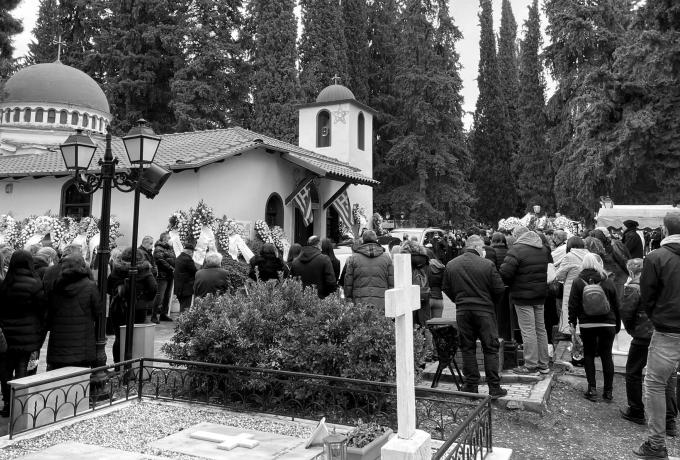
(72, 250)
(212, 259)
(594, 262)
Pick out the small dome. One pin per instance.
(334, 93)
(55, 83)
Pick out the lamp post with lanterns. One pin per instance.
(78, 151)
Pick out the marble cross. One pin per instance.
(226, 442)
(400, 302)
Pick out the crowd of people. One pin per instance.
(554, 286)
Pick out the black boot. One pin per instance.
(591, 394)
(608, 396)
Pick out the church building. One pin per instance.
(239, 173)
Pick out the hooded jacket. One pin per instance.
(185, 275)
(22, 312)
(473, 283)
(501, 252)
(145, 285)
(74, 306)
(570, 269)
(369, 273)
(164, 256)
(576, 301)
(525, 270)
(633, 316)
(315, 269)
(659, 286)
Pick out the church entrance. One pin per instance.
(302, 233)
(333, 225)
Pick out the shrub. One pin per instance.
(280, 325)
(238, 272)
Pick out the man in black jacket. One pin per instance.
(525, 271)
(660, 295)
(184, 276)
(473, 283)
(632, 240)
(164, 255)
(315, 268)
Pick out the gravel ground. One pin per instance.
(130, 429)
(573, 427)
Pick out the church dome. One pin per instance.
(55, 83)
(334, 93)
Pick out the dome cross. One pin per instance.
(336, 79)
(59, 44)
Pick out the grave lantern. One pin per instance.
(537, 209)
(335, 447)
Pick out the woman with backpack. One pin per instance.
(594, 306)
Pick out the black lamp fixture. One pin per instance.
(141, 145)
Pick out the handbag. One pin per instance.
(3, 342)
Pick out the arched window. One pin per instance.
(7, 115)
(39, 115)
(63, 117)
(273, 213)
(323, 129)
(73, 203)
(51, 116)
(27, 115)
(360, 131)
(17, 114)
(74, 118)
(86, 120)
(101, 123)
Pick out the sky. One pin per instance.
(464, 13)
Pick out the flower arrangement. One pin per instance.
(358, 214)
(279, 239)
(263, 231)
(377, 224)
(225, 228)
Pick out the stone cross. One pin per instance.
(59, 44)
(400, 302)
(336, 79)
(226, 442)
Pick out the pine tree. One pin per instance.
(274, 83)
(323, 49)
(355, 15)
(140, 50)
(429, 156)
(9, 26)
(211, 90)
(508, 69)
(490, 141)
(581, 114)
(533, 166)
(46, 31)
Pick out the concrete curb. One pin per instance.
(537, 400)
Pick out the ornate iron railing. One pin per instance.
(462, 420)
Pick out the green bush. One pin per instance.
(238, 272)
(283, 326)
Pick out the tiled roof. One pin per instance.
(191, 150)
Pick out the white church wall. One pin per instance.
(340, 132)
(31, 196)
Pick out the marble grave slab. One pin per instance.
(80, 451)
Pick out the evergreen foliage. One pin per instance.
(9, 26)
(274, 84)
(47, 29)
(428, 155)
(141, 50)
(508, 70)
(532, 166)
(490, 140)
(323, 49)
(355, 15)
(211, 89)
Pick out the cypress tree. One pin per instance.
(429, 155)
(323, 49)
(46, 31)
(508, 68)
(140, 50)
(490, 141)
(534, 172)
(211, 90)
(274, 83)
(355, 14)
(9, 26)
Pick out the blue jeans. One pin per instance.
(534, 335)
(662, 362)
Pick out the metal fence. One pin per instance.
(462, 420)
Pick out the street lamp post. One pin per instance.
(77, 151)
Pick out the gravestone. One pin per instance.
(400, 302)
(36, 404)
(270, 445)
(80, 451)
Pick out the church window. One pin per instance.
(17, 114)
(74, 118)
(63, 117)
(101, 124)
(73, 203)
(274, 211)
(27, 115)
(51, 116)
(39, 115)
(86, 120)
(360, 132)
(7, 115)
(323, 129)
